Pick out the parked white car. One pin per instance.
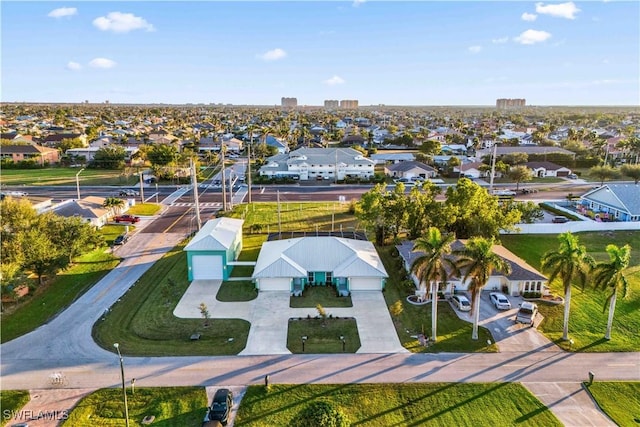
(461, 302)
(500, 301)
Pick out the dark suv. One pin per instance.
(220, 407)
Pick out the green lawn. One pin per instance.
(11, 401)
(144, 325)
(111, 231)
(454, 334)
(48, 301)
(67, 176)
(587, 322)
(323, 336)
(144, 209)
(619, 400)
(323, 295)
(438, 404)
(236, 291)
(171, 406)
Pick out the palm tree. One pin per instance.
(434, 266)
(569, 262)
(113, 204)
(478, 261)
(609, 275)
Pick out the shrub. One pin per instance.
(320, 414)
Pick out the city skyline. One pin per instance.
(255, 53)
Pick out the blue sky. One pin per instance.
(409, 53)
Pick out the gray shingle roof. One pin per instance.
(628, 194)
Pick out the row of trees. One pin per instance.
(42, 244)
(477, 261)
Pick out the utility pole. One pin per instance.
(224, 181)
(194, 183)
(249, 163)
(279, 223)
(141, 189)
(493, 167)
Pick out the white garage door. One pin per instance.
(274, 284)
(206, 267)
(364, 284)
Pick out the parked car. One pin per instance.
(560, 219)
(527, 313)
(572, 176)
(121, 239)
(500, 301)
(461, 302)
(126, 218)
(129, 192)
(220, 407)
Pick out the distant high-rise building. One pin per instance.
(349, 103)
(331, 103)
(289, 102)
(505, 103)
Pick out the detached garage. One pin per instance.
(217, 243)
(292, 264)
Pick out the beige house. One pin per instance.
(41, 155)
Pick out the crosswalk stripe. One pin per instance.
(205, 204)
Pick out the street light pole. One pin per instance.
(78, 182)
(124, 389)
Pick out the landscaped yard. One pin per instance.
(11, 401)
(587, 322)
(144, 325)
(323, 295)
(323, 336)
(49, 300)
(619, 400)
(111, 231)
(438, 404)
(144, 209)
(171, 407)
(67, 176)
(454, 334)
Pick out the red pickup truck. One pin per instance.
(126, 218)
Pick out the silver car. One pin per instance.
(461, 302)
(500, 301)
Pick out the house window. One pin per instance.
(310, 277)
(328, 277)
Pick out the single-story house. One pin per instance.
(382, 158)
(291, 264)
(612, 202)
(213, 249)
(471, 170)
(544, 169)
(89, 208)
(21, 152)
(523, 277)
(410, 169)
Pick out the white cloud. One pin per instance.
(119, 22)
(529, 17)
(273, 55)
(500, 40)
(532, 37)
(61, 12)
(335, 80)
(102, 63)
(562, 10)
(74, 66)
(357, 3)
(475, 49)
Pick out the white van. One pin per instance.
(527, 313)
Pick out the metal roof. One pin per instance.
(216, 235)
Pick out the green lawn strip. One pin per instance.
(588, 322)
(144, 325)
(67, 176)
(454, 334)
(619, 400)
(144, 209)
(439, 404)
(111, 231)
(11, 401)
(236, 291)
(323, 336)
(57, 295)
(171, 406)
(326, 296)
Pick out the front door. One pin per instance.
(320, 277)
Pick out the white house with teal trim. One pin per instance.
(613, 202)
(292, 264)
(213, 248)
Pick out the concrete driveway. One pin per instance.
(269, 316)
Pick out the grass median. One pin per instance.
(67, 176)
(619, 400)
(11, 401)
(588, 321)
(144, 325)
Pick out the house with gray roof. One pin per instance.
(89, 208)
(319, 163)
(612, 202)
(410, 169)
(523, 277)
(214, 249)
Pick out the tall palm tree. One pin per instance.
(113, 204)
(477, 260)
(610, 275)
(434, 266)
(569, 262)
